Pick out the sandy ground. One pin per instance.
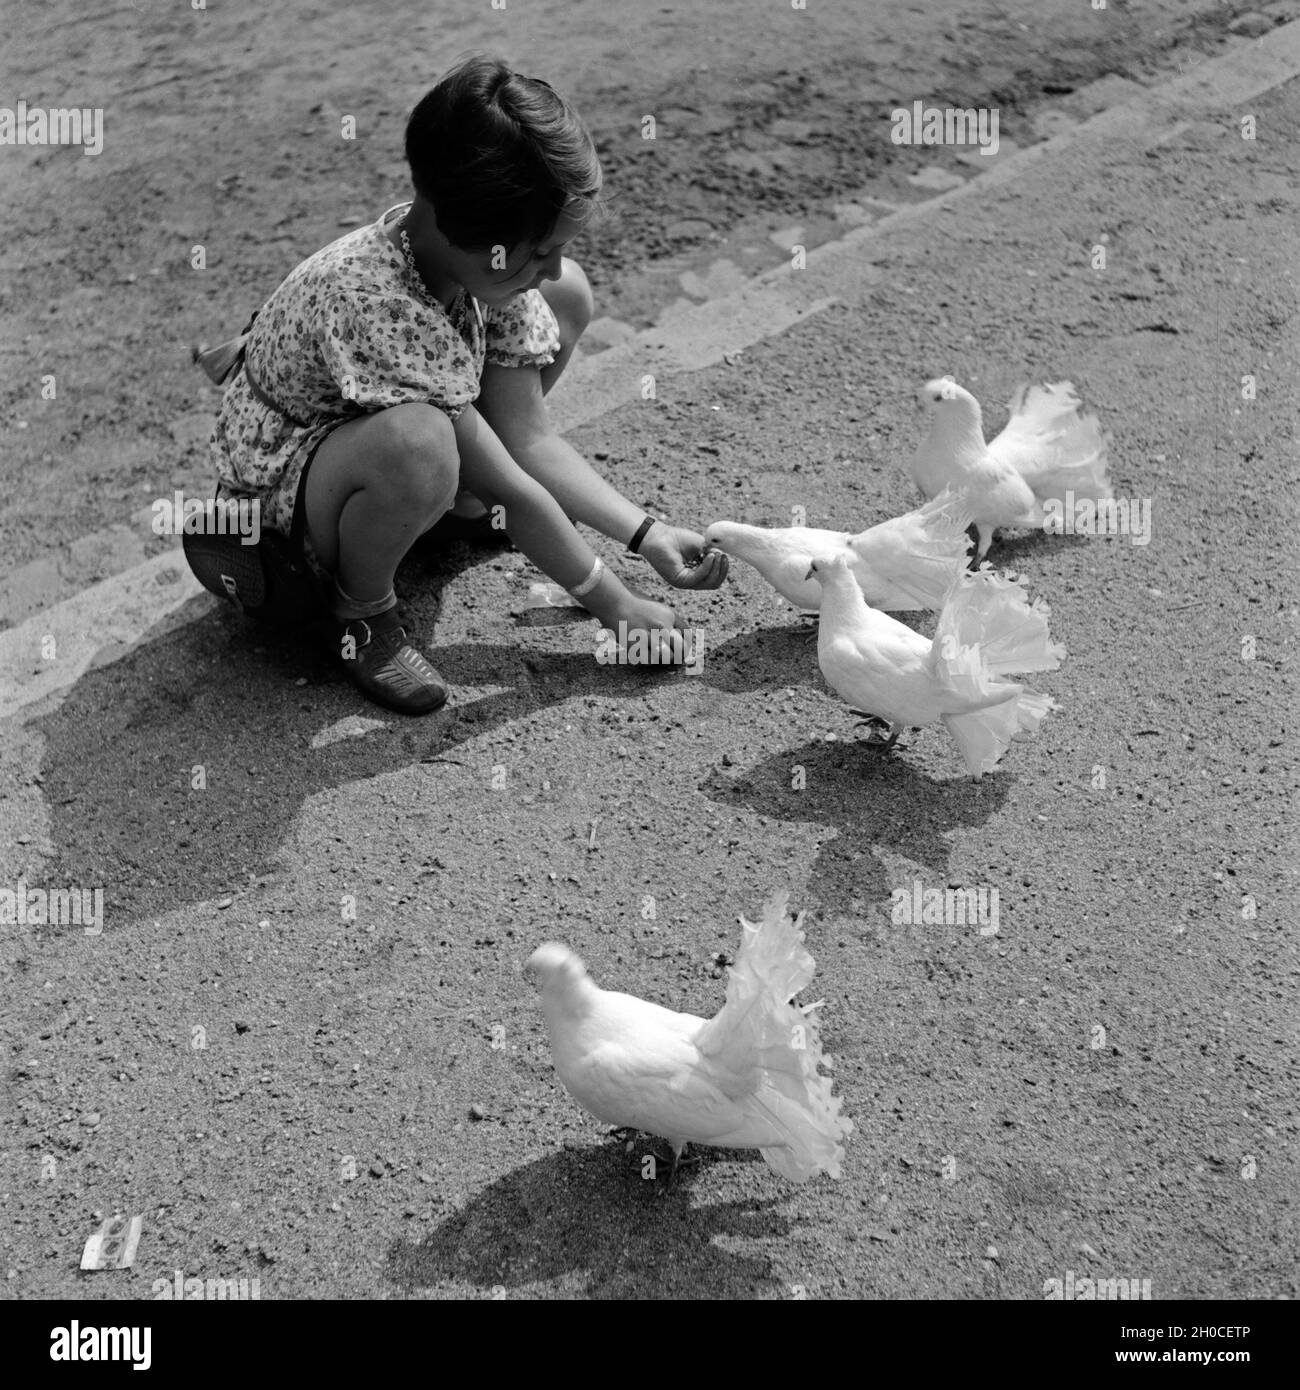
(302, 1047)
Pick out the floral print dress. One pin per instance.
(352, 330)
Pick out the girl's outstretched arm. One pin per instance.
(511, 401)
(537, 524)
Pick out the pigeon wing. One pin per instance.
(882, 673)
(631, 1062)
(910, 561)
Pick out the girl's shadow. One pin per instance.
(173, 774)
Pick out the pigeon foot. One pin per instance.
(675, 1161)
(626, 1135)
(876, 740)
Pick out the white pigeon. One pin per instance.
(1046, 449)
(746, 1079)
(986, 629)
(903, 564)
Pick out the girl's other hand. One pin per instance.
(664, 643)
(679, 557)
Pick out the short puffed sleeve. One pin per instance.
(522, 332)
(387, 349)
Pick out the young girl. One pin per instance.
(407, 362)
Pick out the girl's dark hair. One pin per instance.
(499, 156)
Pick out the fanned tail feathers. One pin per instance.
(985, 735)
(993, 612)
(1054, 447)
(989, 628)
(771, 1048)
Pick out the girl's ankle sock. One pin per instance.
(345, 608)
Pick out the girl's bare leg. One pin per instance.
(377, 483)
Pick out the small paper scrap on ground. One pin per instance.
(113, 1245)
(550, 596)
(548, 605)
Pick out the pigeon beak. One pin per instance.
(812, 573)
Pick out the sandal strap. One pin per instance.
(378, 626)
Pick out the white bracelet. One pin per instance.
(591, 580)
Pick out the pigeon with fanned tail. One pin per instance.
(904, 564)
(746, 1079)
(1047, 449)
(986, 629)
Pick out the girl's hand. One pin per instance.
(644, 630)
(662, 644)
(679, 557)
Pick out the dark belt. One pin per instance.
(264, 399)
(223, 361)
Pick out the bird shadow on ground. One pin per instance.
(874, 800)
(771, 658)
(764, 659)
(1012, 548)
(174, 774)
(586, 1220)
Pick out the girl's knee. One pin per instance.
(418, 464)
(571, 300)
(414, 430)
